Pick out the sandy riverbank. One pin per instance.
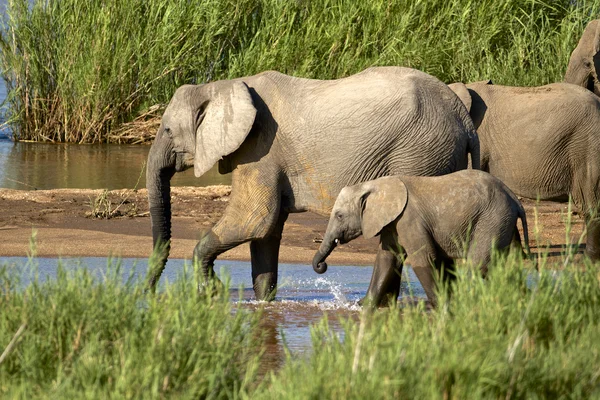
(64, 227)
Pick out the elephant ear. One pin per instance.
(227, 120)
(594, 26)
(463, 94)
(383, 201)
(596, 51)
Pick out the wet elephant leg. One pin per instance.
(387, 273)
(253, 214)
(431, 276)
(426, 277)
(423, 263)
(265, 258)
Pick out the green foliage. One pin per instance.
(78, 69)
(86, 337)
(518, 334)
(510, 336)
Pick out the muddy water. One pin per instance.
(56, 166)
(303, 297)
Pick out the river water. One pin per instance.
(31, 166)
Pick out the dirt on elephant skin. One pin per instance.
(83, 222)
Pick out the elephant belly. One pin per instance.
(543, 178)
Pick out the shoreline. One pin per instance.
(64, 226)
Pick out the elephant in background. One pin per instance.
(542, 142)
(431, 219)
(292, 145)
(584, 64)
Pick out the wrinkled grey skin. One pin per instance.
(293, 144)
(584, 64)
(541, 142)
(429, 219)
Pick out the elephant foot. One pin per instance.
(265, 286)
(385, 301)
(212, 287)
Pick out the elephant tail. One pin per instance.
(473, 149)
(523, 217)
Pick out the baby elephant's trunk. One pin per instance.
(319, 264)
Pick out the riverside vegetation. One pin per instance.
(100, 71)
(84, 71)
(521, 333)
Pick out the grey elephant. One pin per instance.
(292, 145)
(542, 142)
(433, 221)
(584, 64)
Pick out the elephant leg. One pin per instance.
(480, 254)
(265, 258)
(384, 287)
(423, 263)
(516, 244)
(585, 195)
(432, 272)
(592, 244)
(253, 214)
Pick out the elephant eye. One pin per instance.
(169, 132)
(339, 215)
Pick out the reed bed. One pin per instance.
(521, 333)
(78, 70)
(80, 336)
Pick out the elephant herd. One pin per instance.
(294, 144)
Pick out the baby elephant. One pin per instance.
(431, 219)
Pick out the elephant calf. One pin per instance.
(428, 218)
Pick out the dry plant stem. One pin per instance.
(13, 343)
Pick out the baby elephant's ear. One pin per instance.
(384, 200)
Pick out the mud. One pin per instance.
(63, 223)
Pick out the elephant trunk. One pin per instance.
(160, 169)
(319, 264)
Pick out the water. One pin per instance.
(31, 166)
(53, 166)
(303, 297)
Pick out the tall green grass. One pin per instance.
(518, 334)
(85, 337)
(78, 70)
(507, 337)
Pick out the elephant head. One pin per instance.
(200, 125)
(584, 63)
(364, 209)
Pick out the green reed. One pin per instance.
(78, 70)
(88, 337)
(520, 333)
(513, 335)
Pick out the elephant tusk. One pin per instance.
(336, 241)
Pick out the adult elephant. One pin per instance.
(542, 142)
(293, 144)
(584, 64)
